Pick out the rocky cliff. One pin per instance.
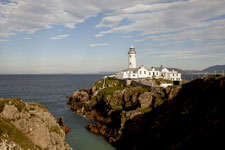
(111, 103)
(29, 126)
(179, 117)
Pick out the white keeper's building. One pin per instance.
(141, 72)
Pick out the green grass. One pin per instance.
(16, 135)
(12, 101)
(98, 84)
(115, 83)
(111, 90)
(116, 106)
(159, 81)
(159, 102)
(128, 104)
(144, 110)
(138, 90)
(36, 104)
(107, 93)
(217, 77)
(17, 102)
(55, 129)
(108, 83)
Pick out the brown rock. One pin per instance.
(93, 89)
(37, 123)
(145, 99)
(80, 96)
(63, 125)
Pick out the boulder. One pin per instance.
(145, 99)
(35, 122)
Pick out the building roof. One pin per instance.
(132, 69)
(156, 68)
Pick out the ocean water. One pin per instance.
(51, 91)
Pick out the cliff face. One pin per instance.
(29, 126)
(115, 104)
(193, 119)
(187, 117)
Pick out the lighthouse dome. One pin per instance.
(132, 46)
(132, 50)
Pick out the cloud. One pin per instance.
(156, 20)
(128, 36)
(110, 21)
(98, 44)
(29, 16)
(159, 19)
(212, 32)
(98, 35)
(7, 34)
(70, 25)
(59, 37)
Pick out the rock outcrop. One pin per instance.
(115, 104)
(65, 128)
(29, 126)
(191, 116)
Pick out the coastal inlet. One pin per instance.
(51, 91)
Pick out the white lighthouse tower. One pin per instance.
(132, 57)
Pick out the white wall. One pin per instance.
(131, 60)
(133, 75)
(143, 73)
(165, 70)
(155, 74)
(175, 76)
(119, 75)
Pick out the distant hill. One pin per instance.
(179, 70)
(217, 68)
(211, 69)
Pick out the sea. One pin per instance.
(52, 92)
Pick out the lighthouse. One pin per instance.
(132, 57)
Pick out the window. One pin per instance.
(149, 73)
(130, 63)
(140, 72)
(144, 72)
(134, 72)
(130, 56)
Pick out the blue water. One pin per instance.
(192, 76)
(51, 91)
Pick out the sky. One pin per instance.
(91, 36)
